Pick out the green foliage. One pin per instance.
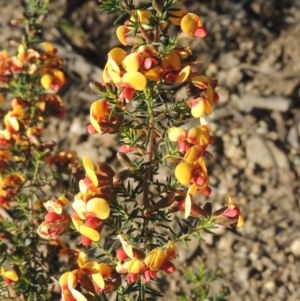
(200, 285)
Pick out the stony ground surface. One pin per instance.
(253, 49)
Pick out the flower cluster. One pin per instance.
(22, 123)
(190, 24)
(90, 205)
(136, 264)
(191, 171)
(9, 187)
(29, 79)
(92, 276)
(56, 220)
(134, 103)
(103, 119)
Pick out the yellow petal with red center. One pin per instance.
(51, 206)
(5, 154)
(210, 95)
(78, 295)
(1, 99)
(105, 75)
(183, 75)
(6, 134)
(183, 173)
(198, 135)
(116, 78)
(126, 247)
(81, 258)
(46, 81)
(80, 208)
(87, 162)
(95, 124)
(184, 53)
(189, 24)
(98, 279)
(117, 54)
(90, 267)
(100, 109)
(155, 259)
(200, 81)
(155, 74)
(59, 75)
(105, 269)
(121, 34)
(147, 51)
(89, 232)
(63, 200)
(193, 154)
(241, 221)
(135, 80)
(132, 62)
(201, 164)
(171, 250)
(112, 65)
(14, 122)
(11, 275)
(63, 280)
(198, 108)
(72, 279)
(82, 188)
(98, 207)
(136, 266)
(207, 107)
(176, 134)
(77, 223)
(178, 15)
(188, 200)
(48, 47)
(143, 15)
(171, 61)
(91, 174)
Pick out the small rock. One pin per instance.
(261, 153)
(226, 242)
(255, 189)
(233, 77)
(211, 70)
(295, 247)
(293, 137)
(270, 286)
(228, 60)
(223, 95)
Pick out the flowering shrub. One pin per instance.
(121, 219)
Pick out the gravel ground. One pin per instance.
(253, 49)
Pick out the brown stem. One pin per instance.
(147, 175)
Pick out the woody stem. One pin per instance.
(147, 175)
